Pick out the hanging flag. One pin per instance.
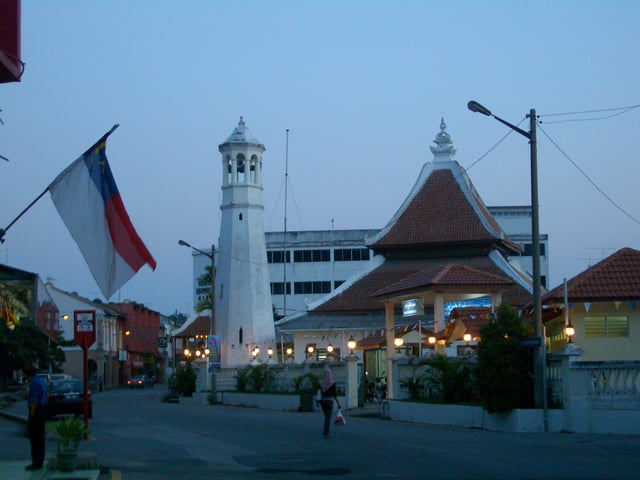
(9, 315)
(87, 198)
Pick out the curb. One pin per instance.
(13, 416)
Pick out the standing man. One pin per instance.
(36, 400)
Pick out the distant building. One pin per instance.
(516, 223)
(107, 354)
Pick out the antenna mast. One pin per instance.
(284, 243)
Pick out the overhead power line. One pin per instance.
(617, 111)
(589, 179)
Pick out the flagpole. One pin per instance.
(4, 230)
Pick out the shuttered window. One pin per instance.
(606, 326)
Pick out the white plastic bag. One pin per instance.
(340, 420)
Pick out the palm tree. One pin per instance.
(205, 280)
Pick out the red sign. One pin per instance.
(84, 327)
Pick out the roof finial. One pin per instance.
(443, 150)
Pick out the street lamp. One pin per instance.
(351, 344)
(398, 342)
(569, 331)
(212, 256)
(539, 366)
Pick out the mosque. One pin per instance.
(443, 247)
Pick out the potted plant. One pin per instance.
(70, 431)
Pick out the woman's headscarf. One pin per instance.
(327, 380)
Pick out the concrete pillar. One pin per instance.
(577, 411)
(389, 333)
(438, 314)
(351, 392)
(393, 385)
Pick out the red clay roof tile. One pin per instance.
(615, 278)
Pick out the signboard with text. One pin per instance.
(213, 344)
(84, 327)
(414, 306)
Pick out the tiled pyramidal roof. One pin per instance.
(441, 235)
(616, 278)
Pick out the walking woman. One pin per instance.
(327, 396)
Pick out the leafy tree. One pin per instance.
(505, 371)
(276, 315)
(26, 343)
(178, 318)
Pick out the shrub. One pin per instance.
(451, 378)
(255, 378)
(504, 376)
(261, 378)
(70, 431)
(185, 380)
(413, 385)
(242, 380)
(308, 381)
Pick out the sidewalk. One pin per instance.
(15, 409)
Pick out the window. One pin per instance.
(351, 254)
(528, 249)
(323, 354)
(277, 288)
(321, 255)
(277, 256)
(606, 326)
(301, 256)
(307, 288)
(337, 283)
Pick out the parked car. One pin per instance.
(140, 381)
(67, 397)
(60, 376)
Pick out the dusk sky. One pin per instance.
(361, 86)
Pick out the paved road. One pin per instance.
(136, 436)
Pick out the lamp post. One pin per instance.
(212, 256)
(398, 342)
(539, 364)
(351, 344)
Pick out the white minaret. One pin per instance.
(244, 314)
